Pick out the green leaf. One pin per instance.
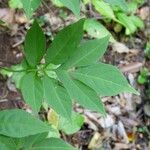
(15, 4)
(30, 6)
(30, 141)
(81, 93)
(96, 29)
(3, 146)
(132, 7)
(104, 9)
(51, 144)
(9, 142)
(118, 4)
(73, 5)
(35, 44)
(65, 43)
(137, 21)
(57, 3)
(105, 79)
(12, 143)
(127, 22)
(18, 123)
(57, 97)
(88, 52)
(71, 127)
(32, 90)
(17, 76)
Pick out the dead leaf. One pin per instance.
(132, 67)
(7, 15)
(120, 47)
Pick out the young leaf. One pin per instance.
(121, 4)
(57, 97)
(30, 6)
(15, 4)
(105, 79)
(127, 23)
(51, 144)
(81, 93)
(104, 9)
(88, 53)
(32, 90)
(137, 21)
(65, 43)
(18, 123)
(73, 5)
(71, 127)
(35, 44)
(96, 30)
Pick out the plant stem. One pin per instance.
(12, 70)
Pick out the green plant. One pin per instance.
(68, 71)
(121, 12)
(143, 77)
(147, 50)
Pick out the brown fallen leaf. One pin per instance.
(120, 47)
(119, 146)
(7, 15)
(132, 67)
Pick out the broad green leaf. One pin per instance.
(30, 6)
(12, 143)
(73, 5)
(70, 127)
(65, 43)
(15, 4)
(88, 52)
(9, 142)
(32, 90)
(81, 93)
(137, 21)
(96, 29)
(126, 22)
(3, 146)
(57, 97)
(51, 144)
(18, 123)
(118, 4)
(30, 141)
(35, 44)
(104, 9)
(105, 79)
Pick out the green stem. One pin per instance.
(12, 70)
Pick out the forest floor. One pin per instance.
(127, 125)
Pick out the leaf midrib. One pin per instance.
(75, 63)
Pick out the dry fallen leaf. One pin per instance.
(7, 15)
(120, 47)
(132, 67)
